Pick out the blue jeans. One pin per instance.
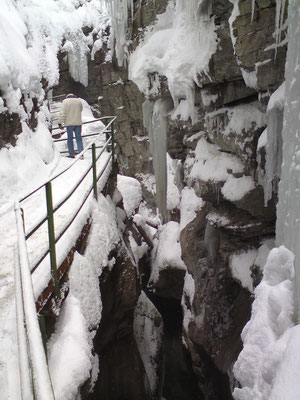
(77, 130)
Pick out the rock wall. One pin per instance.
(231, 102)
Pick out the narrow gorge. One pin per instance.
(198, 89)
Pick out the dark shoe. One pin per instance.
(71, 156)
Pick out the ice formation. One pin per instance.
(268, 366)
(178, 46)
(155, 122)
(118, 10)
(37, 31)
(288, 220)
(274, 143)
(267, 335)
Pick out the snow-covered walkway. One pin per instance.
(35, 170)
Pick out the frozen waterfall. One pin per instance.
(288, 210)
(156, 125)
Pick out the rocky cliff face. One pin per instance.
(231, 104)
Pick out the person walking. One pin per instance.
(70, 117)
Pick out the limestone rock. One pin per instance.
(168, 284)
(237, 129)
(254, 43)
(114, 342)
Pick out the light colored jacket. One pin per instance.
(70, 112)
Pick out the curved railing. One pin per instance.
(38, 385)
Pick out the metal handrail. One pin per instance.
(77, 158)
(44, 219)
(41, 381)
(52, 209)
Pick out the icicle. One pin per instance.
(154, 119)
(131, 6)
(274, 143)
(280, 7)
(253, 9)
(119, 21)
(288, 219)
(159, 156)
(147, 108)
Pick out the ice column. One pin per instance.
(119, 22)
(288, 208)
(156, 124)
(274, 143)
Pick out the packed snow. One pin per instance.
(37, 32)
(240, 265)
(210, 164)
(81, 312)
(168, 251)
(42, 162)
(235, 188)
(268, 366)
(269, 336)
(189, 205)
(131, 191)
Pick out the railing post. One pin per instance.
(51, 234)
(112, 143)
(106, 133)
(94, 171)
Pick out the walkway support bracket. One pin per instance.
(51, 234)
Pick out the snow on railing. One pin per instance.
(34, 374)
(32, 355)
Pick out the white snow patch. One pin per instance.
(187, 300)
(235, 189)
(69, 351)
(173, 181)
(189, 205)
(131, 191)
(240, 265)
(269, 337)
(168, 253)
(84, 285)
(211, 164)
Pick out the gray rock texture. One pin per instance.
(221, 306)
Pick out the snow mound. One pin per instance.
(269, 336)
(69, 351)
(131, 191)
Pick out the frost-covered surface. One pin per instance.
(288, 221)
(179, 46)
(268, 366)
(69, 351)
(37, 31)
(189, 205)
(70, 347)
(35, 156)
(274, 142)
(148, 336)
(242, 117)
(131, 191)
(173, 181)
(209, 164)
(187, 300)
(235, 188)
(168, 253)
(240, 265)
